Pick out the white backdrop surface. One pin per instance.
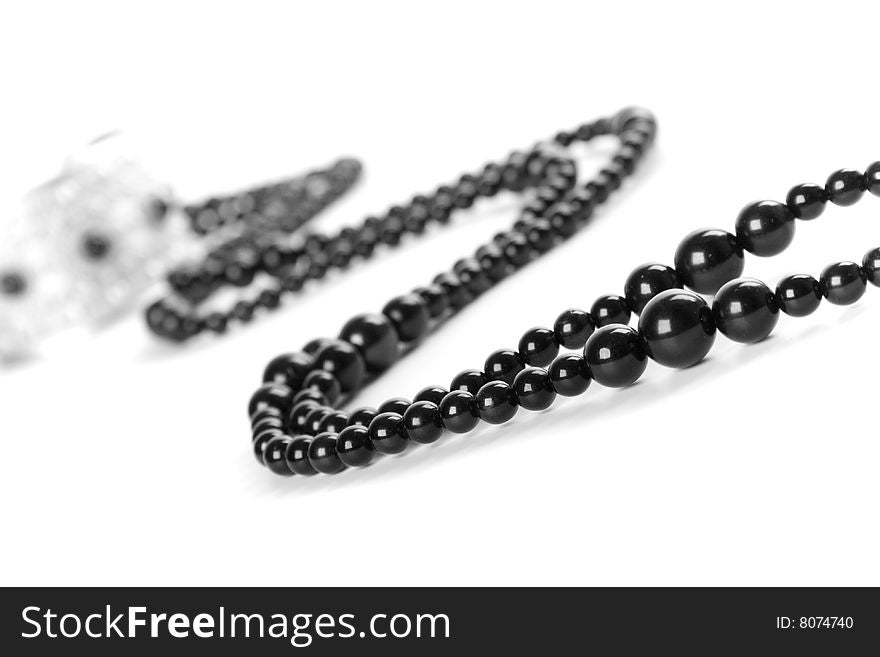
(126, 462)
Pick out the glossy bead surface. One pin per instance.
(871, 266)
(501, 365)
(409, 316)
(324, 383)
(354, 446)
(469, 380)
(312, 395)
(538, 347)
(765, 228)
(314, 419)
(297, 456)
(570, 375)
(323, 454)
(362, 416)
(375, 338)
(496, 402)
(798, 295)
(872, 178)
(435, 299)
(267, 422)
(610, 309)
(845, 187)
(615, 356)
(422, 422)
(387, 433)
(274, 455)
(434, 394)
(677, 328)
(843, 283)
(395, 405)
(344, 362)
(534, 389)
(288, 369)
(707, 259)
(333, 422)
(745, 310)
(458, 411)
(646, 282)
(271, 395)
(261, 440)
(573, 327)
(296, 421)
(807, 201)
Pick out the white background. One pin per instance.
(124, 461)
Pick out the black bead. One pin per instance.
(261, 440)
(843, 283)
(296, 422)
(312, 394)
(344, 362)
(492, 261)
(333, 422)
(354, 446)
(297, 456)
(871, 266)
(409, 316)
(323, 454)
(615, 356)
(677, 328)
(646, 282)
(573, 327)
(538, 347)
(457, 293)
(95, 246)
(845, 187)
(288, 369)
(375, 338)
(496, 402)
(263, 422)
(395, 405)
(216, 322)
(272, 395)
(745, 310)
(12, 284)
(434, 394)
(314, 346)
(324, 383)
(314, 419)
(707, 259)
(422, 422)
(807, 201)
(610, 309)
(798, 295)
(501, 365)
(517, 249)
(387, 433)
(570, 375)
(534, 389)
(468, 380)
(435, 299)
(458, 411)
(872, 178)
(765, 228)
(362, 416)
(274, 455)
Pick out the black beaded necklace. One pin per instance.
(297, 429)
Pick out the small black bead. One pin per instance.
(517, 249)
(271, 395)
(573, 327)
(216, 322)
(395, 405)
(288, 369)
(354, 446)
(534, 389)
(677, 328)
(314, 346)
(707, 259)
(314, 418)
(745, 310)
(323, 454)
(362, 416)
(458, 411)
(261, 440)
(646, 282)
(311, 394)
(344, 362)
(274, 455)
(422, 422)
(297, 456)
(409, 316)
(268, 413)
(375, 339)
(325, 383)
(243, 311)
(496, 402)
(615, 356)
(807, 201)
(472, 276)
(798, 295)
(435, 299)
(843, 283)
(296, 421)
(501, 365)
(457, 293)
(845, 187)
(333, 422)
(492, 261)
(387, 433)
(12, 284)
(434, 394)
(570, 375)
(610, 309)
(765, 228)
(262, 422)
(871, 266)
(538, 347)
(872, 178)
(468, 380)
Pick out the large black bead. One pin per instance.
(610, 309)
(468, 380)
(745, 310)
(707, 259)
(333, 422)
(843, 283)
(344, 362)
(871, 266)
(387, 433)
(570, 375)
(615, 356)
(458, 411)
(409, 315)
(271, 395)
(806, 201)
(534, 389)
(434, 394)
(646, 282)
(501, 365)
(375, 338)
(323, 454)
(798, 295)
(496, 402)
(765, 228)
(297, 456)
(422, 422)
(538, 347)
(677, 328)
(573, 327)
(845, 187)
(354, 446)
(288, 369)
(274, 455)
